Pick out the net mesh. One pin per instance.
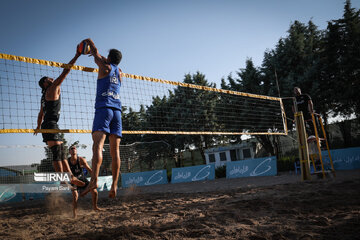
(140, 157)
(149, 105)
(21, 94)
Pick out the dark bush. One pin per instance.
(286, 164)
(220, 172)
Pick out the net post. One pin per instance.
(318, 145)
(303, 147)
(283, 116)
(327, 145)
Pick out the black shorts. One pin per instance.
(307, 116)
(309, 127)
(50, 136)
(58, 152)
(84, 179)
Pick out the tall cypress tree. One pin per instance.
(341, 62)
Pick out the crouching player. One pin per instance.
(76, 165)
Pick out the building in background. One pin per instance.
(220, 155)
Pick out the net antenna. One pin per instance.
(277, 83)
(149, 105)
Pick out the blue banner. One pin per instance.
(192, 174)
(343, 159)
(251, 168)
(144, 178)
(37, 190)
(104, 183)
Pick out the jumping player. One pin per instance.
(49, 116)
(107, 120)
(77, 164)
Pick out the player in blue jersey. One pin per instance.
(107, 120)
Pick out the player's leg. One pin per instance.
(115, 166)
(98, 145)
(75, 200)
(53, 141)
(114, 139)
(57, 166)
(94, 196)
(101, 123)
(309, 125)
(55, 149)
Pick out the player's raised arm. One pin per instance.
(66, 71)
(101, 61)
(84, 164)
(39, 119)
(310, 106)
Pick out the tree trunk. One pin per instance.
(192, 157)
(266, 143)
(345, 129)
(276, 144)
(201, 148)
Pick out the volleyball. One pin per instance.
(83, 48)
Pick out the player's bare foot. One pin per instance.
(75, 214)
(77, 182)
(98, 209)
(112, 192)
(92, 185)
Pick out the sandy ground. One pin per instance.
(279, 207)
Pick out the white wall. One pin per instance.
(219, 163)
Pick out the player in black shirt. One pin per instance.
(77, 164)
(48, 117)
(304, 104)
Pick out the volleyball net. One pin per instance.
(150, 105)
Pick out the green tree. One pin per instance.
(133, 121)
(250, 80)
(293, 62)
(184, 109)
(341, 67)
(341, 62)
(201, 111)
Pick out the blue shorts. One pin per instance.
(108, 120)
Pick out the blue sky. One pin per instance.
(160, 38)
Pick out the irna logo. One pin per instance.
(52, 177)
